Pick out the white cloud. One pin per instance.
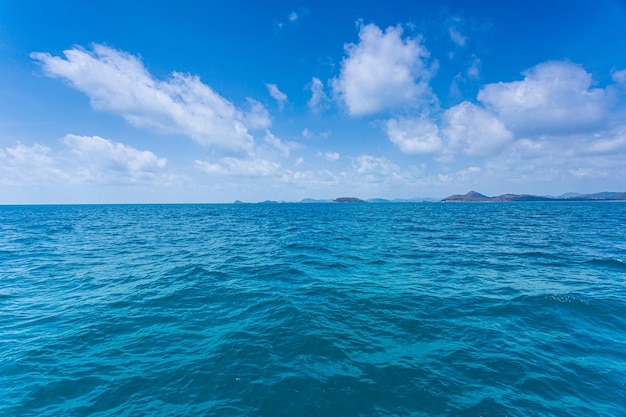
(261, 163)
(608, 146)
(309, 134)
(368, 164)
(103, 160)
(22, 155)
(553, 118)
(383, 71)
(455, 90)
(319, 99)
(474, 70)
(330, 156)
(462, 176)
(555, 98)
(414, 136)
(460, 79)
(240, 167)
(118, 82)
(257, 117)
(277, 95)
(314, 180)
(473, 130)
(619, 76)
(210, 168)
(373, 174)
(608, 143)
(465, 128)
(456, 36)
(588, 173)
(22, 164)
(470, 170)
(283, 147)
(294, 17)
(86, 159)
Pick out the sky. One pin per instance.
(211, 102)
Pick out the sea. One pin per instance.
(416, 309)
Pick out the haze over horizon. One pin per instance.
(121, 102)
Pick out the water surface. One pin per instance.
(313, 310)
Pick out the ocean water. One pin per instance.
(500, 309)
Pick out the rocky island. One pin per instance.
(474, 196)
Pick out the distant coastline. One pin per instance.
(476, 197)
(470, 197)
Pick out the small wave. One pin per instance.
(539, 254)
(537, 305)
(188, 271)
(565, 299)
(612, 263)
(486, 407)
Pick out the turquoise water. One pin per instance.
(495, 309)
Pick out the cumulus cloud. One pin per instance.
(86, 159)
(619, 76)
(260, 163)
(20, 154)
(239, 167)
(384, 70)
(372, 172)
(368, 164)
(473, 130)
(330, 156)
(313, 179)
(414, 136)
(257, 117)
(465, 128)
(22, 164)
(118, 82)
(555, 98)
(277, 95)
(319, 99)
(104, 160)
(553, 111)
(283, 147)
(461, 176)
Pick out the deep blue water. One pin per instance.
(514, 309)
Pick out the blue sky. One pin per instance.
(127, 101)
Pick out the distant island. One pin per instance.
(470, 197)
(348, 200)
(474, 196)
